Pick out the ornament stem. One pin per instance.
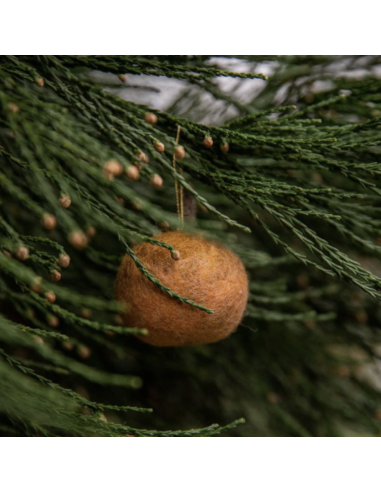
(178, 187)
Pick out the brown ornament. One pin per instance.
(122, 77)
(133, 173)
(156, 181)
(207, 273)
(159, 146)
(150, 118)
(40, 82)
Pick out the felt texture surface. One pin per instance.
(207, 273)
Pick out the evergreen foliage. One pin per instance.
(291, 184)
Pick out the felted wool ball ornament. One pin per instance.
(205, 272)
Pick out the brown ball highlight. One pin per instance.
(206, 273)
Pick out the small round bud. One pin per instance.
(112, 168)
(53, 321)
(64, 261)
(50, 297)
(156, 181)
(48, 221)
(22, 253)
(86, 313)
(120, 200)
(55, 275)
(36, 285)
(175, 255)
(102, 417)
(90, 231)
(13, 107)
(208, 142)
(84, 352)
(142, 157)
(38, 340)
(78, 239)
(224, 147)
(40, 82)
(68, 345)
(159, 146)
(122, 77)
(164, 225)
(179, 152)
(65, 201)
(136, 206)
(150, 118)
(133, 173)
